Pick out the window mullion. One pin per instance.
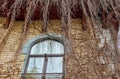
(63, 66)
(45, 67)
(27, 64)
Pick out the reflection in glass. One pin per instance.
(55, 65)
(48, 47)
(35, 65)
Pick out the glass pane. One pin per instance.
(55, 65)
(48, 47)
(35, 65)
(54, 76)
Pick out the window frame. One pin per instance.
(49, 36)
(45, 62)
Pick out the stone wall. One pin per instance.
(83, 63)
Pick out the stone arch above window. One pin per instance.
(49, 36)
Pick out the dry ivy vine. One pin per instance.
(109, 11)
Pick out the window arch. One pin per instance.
(45, 57)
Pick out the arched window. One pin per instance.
(45, 59)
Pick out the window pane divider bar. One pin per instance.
(44, 73)
(45, 67)
(48, 55)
